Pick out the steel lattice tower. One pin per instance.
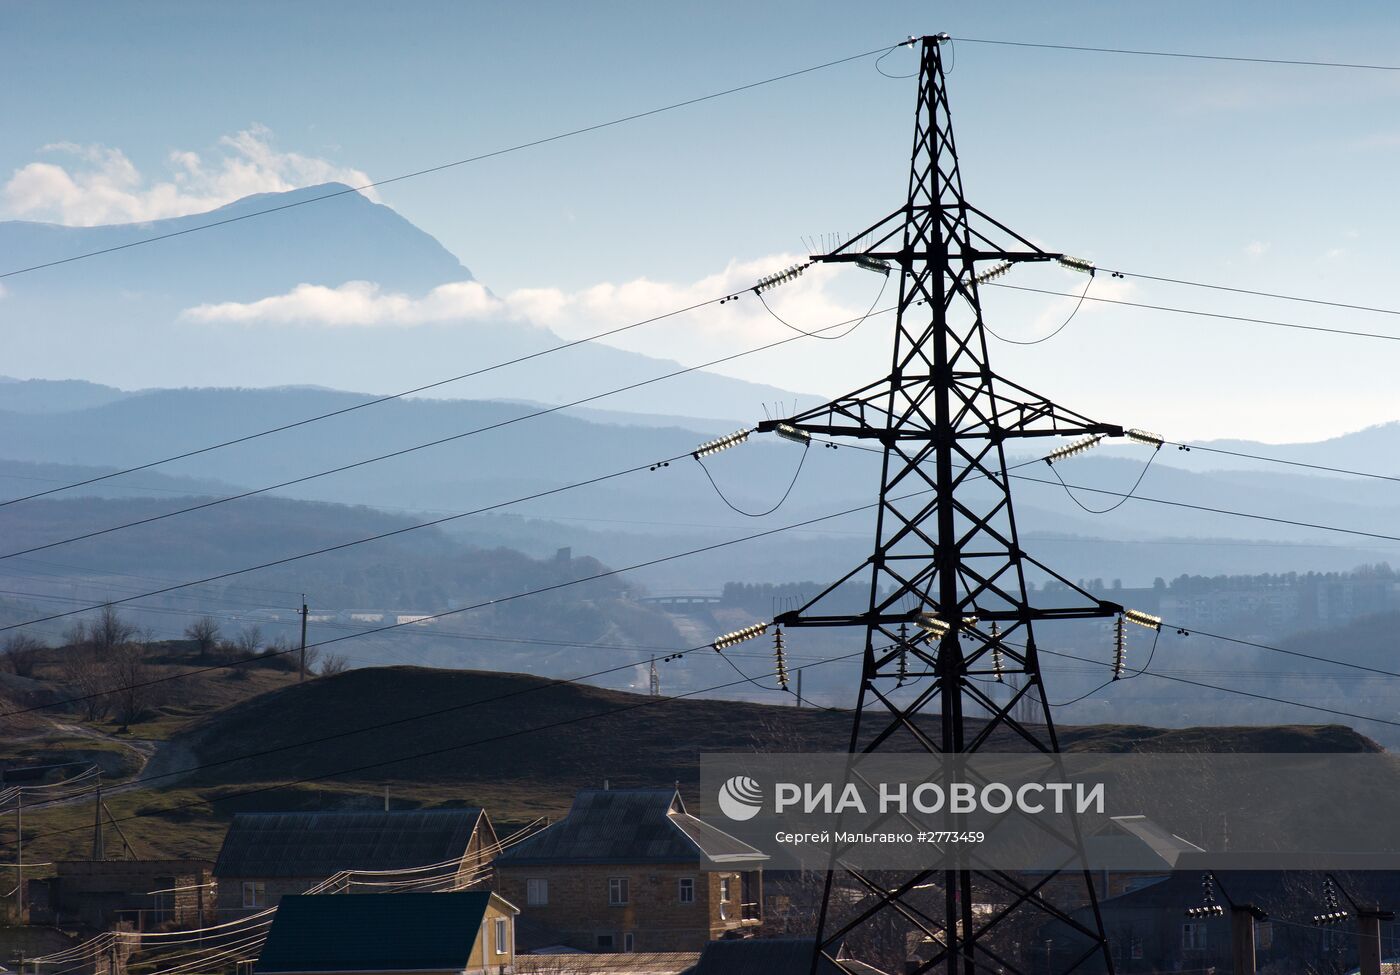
(947, 548)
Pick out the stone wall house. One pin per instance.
(266, 856)
(630, 870)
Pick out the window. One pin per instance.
(537, 892)
(254, 893)
(605, 941)
(1263, 935)
(685, 890)
(724, 888)
(617, 891)
(628, 943)
(501, 936)
(1193, 936)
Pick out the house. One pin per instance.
(616, 963)
(772, 956)
(144, 893)
(463, 933)
(1149, 929)
(630, 870)
(268, 855)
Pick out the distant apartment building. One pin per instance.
(630, 870)
(266, 856)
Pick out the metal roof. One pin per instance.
(769, 956)
(317, 844)
(373, 932)
(630, 826)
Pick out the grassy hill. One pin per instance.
(516, 744)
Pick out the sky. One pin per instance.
(1269, 177)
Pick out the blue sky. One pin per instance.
(1270, 177)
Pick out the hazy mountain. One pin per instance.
(116, 318)
(50, 396)
(651, 513)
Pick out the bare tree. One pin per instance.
(109, 630)
(250, 640)
(19, 654)
(332, 664)
(204, 633)
(90, 660)
(133, 691)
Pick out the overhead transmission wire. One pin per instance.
(1229, 512)
(720, 300)
(644, 702)
(1202, 314)
(449, 165)
(338, 882)
(1187, 55)
(500, 424)
(608, 573)
(395, 626)
(1124, 499)
(291, 425)
(776, 505)
(1046, 338)
(1119, 272)
(437, 521)
(858, 322)
(546, 684)
(1231, 690)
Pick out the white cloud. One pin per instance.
(823, 296)
(365, 304)
(1256, 248)
(355, 304)
(100, 185)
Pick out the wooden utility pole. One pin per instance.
(302, 669)
(1242, 918)
(19, 857)
(99, 851)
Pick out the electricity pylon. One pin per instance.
(946, 544)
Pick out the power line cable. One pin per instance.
(1231, 690)
(443, 166)
(1279, 460)
(1124, 499)
(373, 402)
(757, 535)
(1181, 54)
(65, 486)
(1118, 272)
(434, 752)
(1046, 338)
(382, 725)
(1216, 511)
(1202, 314)
(344, 545)
(757, 514)
(500, 424)
(608, 573)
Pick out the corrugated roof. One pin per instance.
(630, 826)
(768, 956)
(317, 844)
(373, 932)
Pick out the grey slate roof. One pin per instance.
(317, 844)
(630, 826)
(768, 956)
(373, 932)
